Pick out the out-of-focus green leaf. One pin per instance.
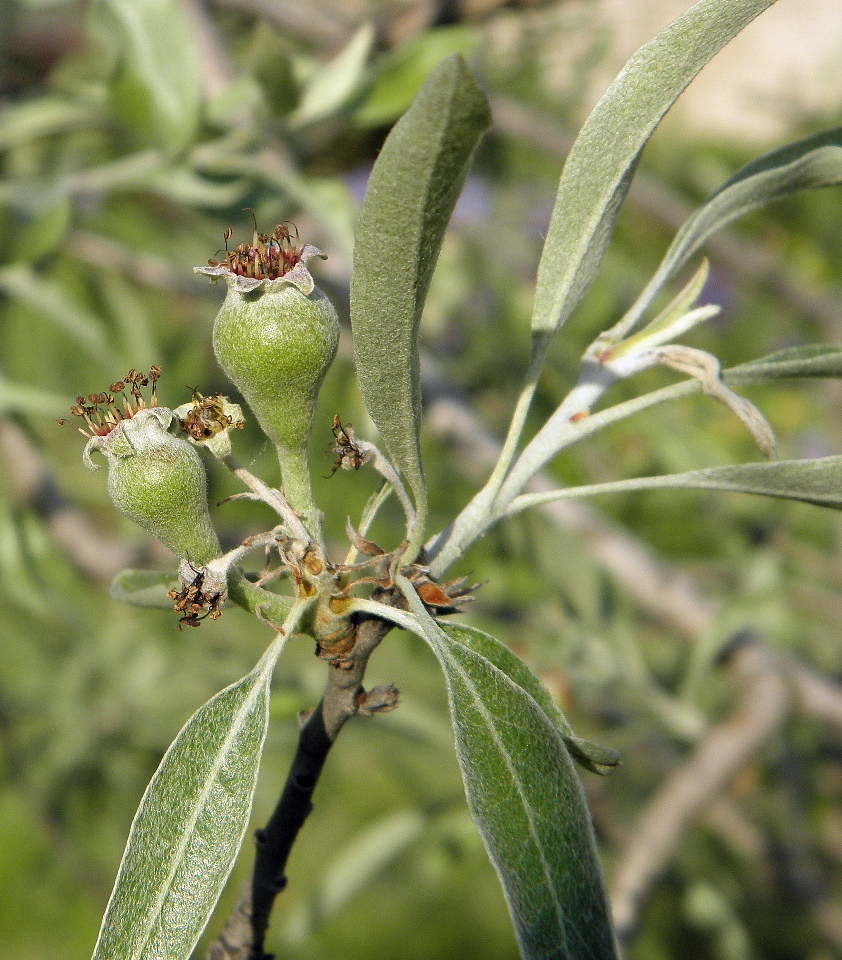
(807, 164)
(400, 77)
(185, 187)
(156, 90)
(22, 398)
(131, 316)
(353, 868)
(22, 122)
(189, 825)
(335, 83)
(817, 481)
(45, 296)
(595, 758)
(411, 194)
(144, 588)
(601, 163)
(527, 802)
(44, 233)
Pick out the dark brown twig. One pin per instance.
(344, 697)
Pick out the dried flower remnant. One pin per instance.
(194, 602)
(102, 412)
(348, 454)
(207, 417)
(269, 257)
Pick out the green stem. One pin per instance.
(271, 607)
(557, 434)
(297, 487)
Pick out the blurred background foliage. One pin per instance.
(132, 133)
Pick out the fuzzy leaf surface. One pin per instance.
(814, 360)
(189, 826)
(594, 757)
(601, 162)
(807, 164)
(411, 194)
(527, 802)
(817, 481)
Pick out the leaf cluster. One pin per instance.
(113, 180)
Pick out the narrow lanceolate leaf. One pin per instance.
(813, 360)
(594, 757)
(527, 802)
(157, 85)
(807, 164)
(411, 194)
(817, 481)
(599, 168)
(189, 826)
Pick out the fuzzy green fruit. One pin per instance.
(276, 344)
(275, 338)
(159, 481)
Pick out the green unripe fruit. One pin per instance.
(275, 337)
(159, 481)
(276, 344)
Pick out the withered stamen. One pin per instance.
(100, 411)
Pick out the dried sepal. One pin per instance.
(349, 453)
(201, 594)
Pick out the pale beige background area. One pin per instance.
(786, 63)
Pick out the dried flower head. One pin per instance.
(198, 598)
(207, 416)
(348, 454)
(102, 412)
(208, 420)
(269, 257)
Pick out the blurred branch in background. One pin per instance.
(768, 688)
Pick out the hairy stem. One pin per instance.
(269, 495)
(298, 487)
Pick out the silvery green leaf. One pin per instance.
(189, 826)
(527, 802)
(602, 161)
(594, 757)
(817, 481)
(411, 194)
(813, 162)
(815, 360)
